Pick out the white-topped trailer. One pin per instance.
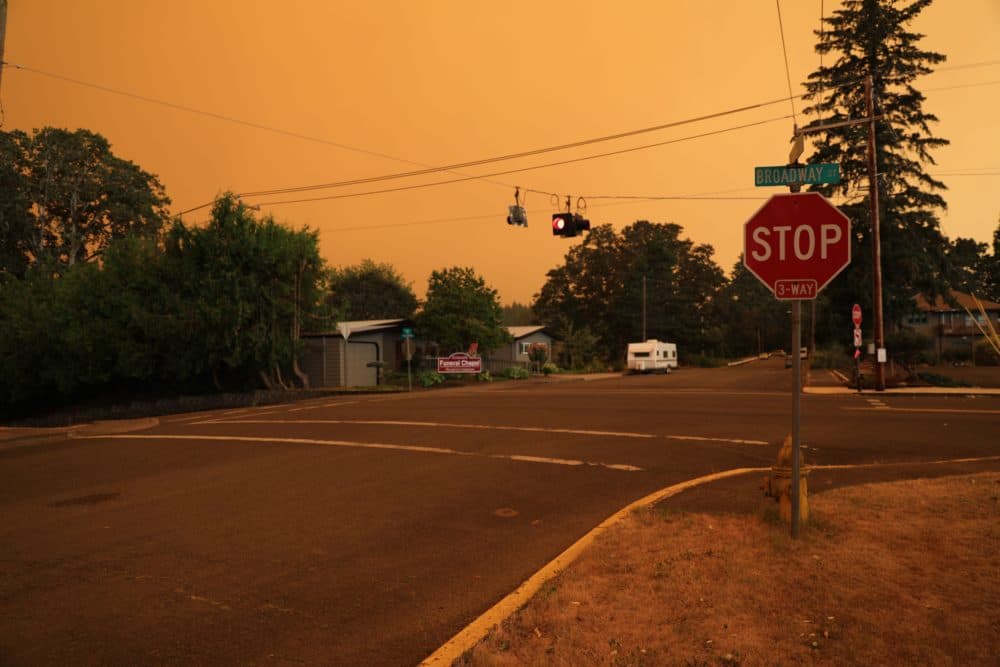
(651, 356)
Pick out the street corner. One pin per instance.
(112, 427)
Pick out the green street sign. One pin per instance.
(407, 332)
(796, 174)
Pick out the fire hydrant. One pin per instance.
(778, 484)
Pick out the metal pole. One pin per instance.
(876, 238)
(812, 329)
(796, 400)
(409, 374)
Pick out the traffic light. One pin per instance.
(516, 215)
(569, 224)
(562, 224)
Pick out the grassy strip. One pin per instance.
(897, 573)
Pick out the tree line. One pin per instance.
(100, 292)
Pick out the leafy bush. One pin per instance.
(516, 373)
(429, 378)
(986, 355)
(908, 346)
(485, 377)
(549, 368)
(941, 380)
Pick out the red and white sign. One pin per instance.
(857, 337)
(796, 244)
(856, 315)
(460, 362)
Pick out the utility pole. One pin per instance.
(876, 239)
(3, 32)
(644, 307)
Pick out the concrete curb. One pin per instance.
(14, 437)
(472, 634)
(476, 631)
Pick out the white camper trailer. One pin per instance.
(651, 356)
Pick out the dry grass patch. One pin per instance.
(903, 573)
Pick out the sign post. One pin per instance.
(408, 351)
(856, 318)
(345, 331)
(796, 244)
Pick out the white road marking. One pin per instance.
(705, 439)
(332, 404)
(374, 445)
(959, 411)
(487, 427)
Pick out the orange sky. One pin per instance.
(440, 82)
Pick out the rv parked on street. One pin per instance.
(652, 356)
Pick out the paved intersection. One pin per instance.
(368, 530)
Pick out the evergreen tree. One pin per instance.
(873, 38)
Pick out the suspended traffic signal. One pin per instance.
(569, 224)
(516, 215)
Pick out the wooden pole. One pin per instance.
(876, 238)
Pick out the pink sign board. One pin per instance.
(460, 362)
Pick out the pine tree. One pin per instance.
(872, 38)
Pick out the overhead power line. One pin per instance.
(514, 156)
(513, 171)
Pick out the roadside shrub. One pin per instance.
(941, 380)
(549, 368)
(986, 355)
(908, 346)
(516, 373)
(958, 357)
(485, 377)
(429, 378)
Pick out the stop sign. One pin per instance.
(796, 244)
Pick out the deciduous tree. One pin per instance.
(461, 309)
(69, 197)
(371, 291)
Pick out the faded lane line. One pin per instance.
(959, 411)
(705, 439)
(840, 377)
(374, 445)
(483, 427)
(332, 404)
(487, 427)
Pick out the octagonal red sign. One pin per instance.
(796, 244)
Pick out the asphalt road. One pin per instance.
(368, 530)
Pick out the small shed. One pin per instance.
(354, 354)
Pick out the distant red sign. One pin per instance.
(460, 362)
(856, 315)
